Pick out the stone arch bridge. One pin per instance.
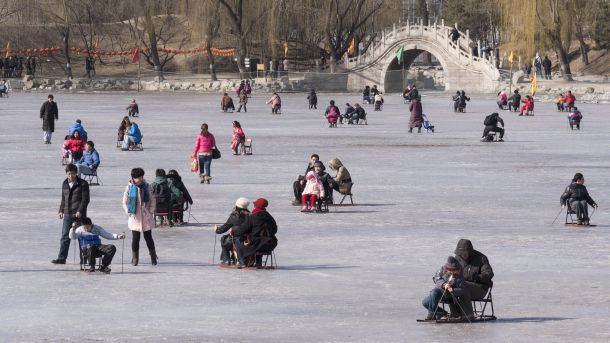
(462, 70)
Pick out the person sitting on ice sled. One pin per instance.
(577, 197)
(237, 217)
(449, 289)
(256, 236)
(491, 125)
(476, 268)
(91, 246)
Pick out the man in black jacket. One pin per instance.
(48, 114)
(577, 197)
(256, 234)
(514, 101)
(491, 125)
(73, 207)
(546, 65)
(476, 268)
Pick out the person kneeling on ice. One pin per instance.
(314, 189)
(91, 245)
(260, 229)
(449, 289)
(577, 197)
(226, 103)
(237, 217)
(491, 125)
(477, 270)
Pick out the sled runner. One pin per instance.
(458, 320)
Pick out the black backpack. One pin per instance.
(489, 120)
(162, 192)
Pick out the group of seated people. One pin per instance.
(509, 103)
(171, 196)
(316, 186)
(352, 115)
(79, 151)
(465, 277)
(129, 133)
(565, 102)
(247, 235)
(276, 103)
(368, 94)
(459, 101)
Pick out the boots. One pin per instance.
(135, 258)
(202, 178)
(153, 257)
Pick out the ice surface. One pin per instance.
(357, 274)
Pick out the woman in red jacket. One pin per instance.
(529, 105)
(75, 145)
(204, 145)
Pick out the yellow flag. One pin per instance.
(511, 57)
(8, 49)
(534, 85)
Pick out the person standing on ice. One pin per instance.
(203, 150)
(139, 205)
(49, 114)
(416, 115)
(577, 197)
(73, 207)
(449, 289)
(476, 268)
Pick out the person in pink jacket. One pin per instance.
(139, 204)
(314, 189)
(239, 137)
(276, 103)
(204, 145)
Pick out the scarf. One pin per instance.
(257, 209)
(133, 197)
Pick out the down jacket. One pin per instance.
(144, 218)
(343, 178)
(576, 192)
(49, 113)
(475, 265)
(260, 228)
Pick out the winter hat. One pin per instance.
(319, 165)
(452, 263)
(309, 176)
(242, 203)
(261, 203)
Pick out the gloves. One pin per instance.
(121, 236)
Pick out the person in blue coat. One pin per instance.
(78, 126)
(90, 161)
(133, 135)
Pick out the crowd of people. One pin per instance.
(13, 66)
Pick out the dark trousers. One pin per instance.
(135, 241)
(226, 243)
(64, 241)
(581, 208)
(297, 188)
(489, 129)
(105, 251)
(432, 301)
(242, 105)
(476, 291)
(239, 248)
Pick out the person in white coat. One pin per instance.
(139, 205)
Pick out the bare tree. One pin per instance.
(554, 24)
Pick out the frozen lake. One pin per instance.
(356, 274)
